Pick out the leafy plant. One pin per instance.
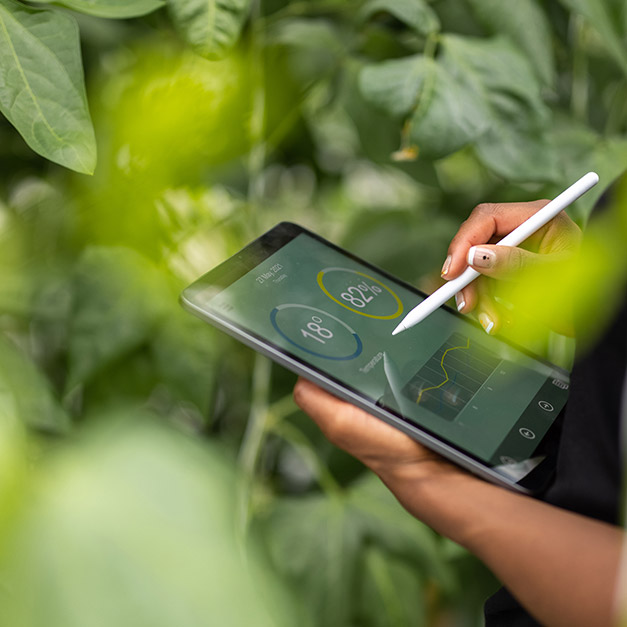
(378, 124)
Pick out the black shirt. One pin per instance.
(588, 477)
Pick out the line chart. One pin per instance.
(447, 379)
(451, 376)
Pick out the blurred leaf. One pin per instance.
(319, 542)
(109, 8)
(581, 151)
(28, 392)
(143, 516)
(13, 466)
(417, 14)
(184, 352)
(211, 27)
(394, 85)
(119, 298)
(313, 544)
(316, 46)
(515, 144)
(42, 93)
(392, 592)
(604, 17)
(383, 521)
(448, 116)
(526, 24)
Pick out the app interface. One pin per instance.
(443, 375)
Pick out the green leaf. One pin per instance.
(417, 14)
(312, 542)
(27, 394)
(392, 592)
(110, 8)
(606, 19)
(515, 144)
(141, 515)
(582, 150)
(118, 300)
(319, 542)
(448, 116)
(526, 24)
(211, 27)
(42, 92)
(394, 85)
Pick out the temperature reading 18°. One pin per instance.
(361, 294)
(317, 332)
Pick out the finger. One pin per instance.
(487, 221)
(505, 262)
(345, 425)
(487, 310)
(466, 299)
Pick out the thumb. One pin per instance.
(504, 262)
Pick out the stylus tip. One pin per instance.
(398, 329)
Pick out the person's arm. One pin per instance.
(562, 567)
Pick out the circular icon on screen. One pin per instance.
(360, 293)
(546, 406)
(527, 433)
(316, 331)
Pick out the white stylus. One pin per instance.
(516, 237)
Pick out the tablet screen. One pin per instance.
(445, 375)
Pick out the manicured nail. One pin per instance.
(486, 322)
(459, 301)
(446, 266)
(480, 257)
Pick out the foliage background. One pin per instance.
(147, 458)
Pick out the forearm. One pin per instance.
(561, 566)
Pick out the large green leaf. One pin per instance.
(118, 299)
(444, 116)
(448, 116)
(110, 8)
(134, 527)
(27, 391)
(526, 24)
(515, 144)
(605, 16)
(41, 84)
(582, 150)
(320, 542)
(211, 27)
(394, 85)
(417, 14)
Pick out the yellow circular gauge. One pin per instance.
(360, 293)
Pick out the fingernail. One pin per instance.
(446, 266)
(459, 301)
(486, 322)
(480, 257)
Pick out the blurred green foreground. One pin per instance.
(153, 472)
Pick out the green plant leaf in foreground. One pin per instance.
(110, 8)
(211, 27)
(134, 527)
(41, 84)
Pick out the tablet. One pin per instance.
(327, 315)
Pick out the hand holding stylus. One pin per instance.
(488, 231)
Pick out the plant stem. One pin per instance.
(254, 436)
(580, 84)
